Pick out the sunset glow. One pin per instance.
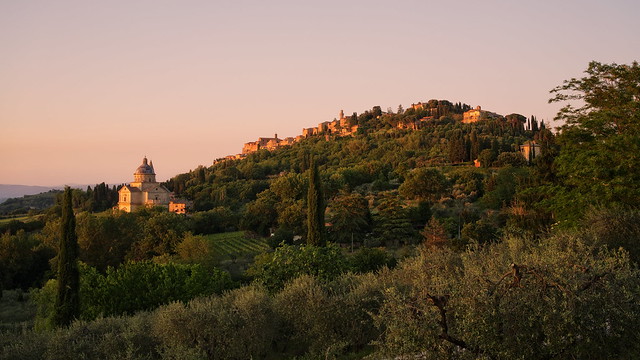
(89, 88)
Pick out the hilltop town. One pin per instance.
(348, 126)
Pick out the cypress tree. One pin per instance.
(315, 208)
(67, 304)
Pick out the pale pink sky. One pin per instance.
(87, 88)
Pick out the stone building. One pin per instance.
(477, 114)
(530, 150)
(144, 190)
(337, 127)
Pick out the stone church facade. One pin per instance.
(144, 191)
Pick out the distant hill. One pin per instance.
(16, 191)
(21, 205)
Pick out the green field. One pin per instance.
(236, 244)
(25, 218)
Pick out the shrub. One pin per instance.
(514, 299)
(371, 259)
(134, 287)
(287, 262)
(104, 338)
(328, 318)
(237, 325)
(511, 158)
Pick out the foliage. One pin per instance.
(515, 299)
(350, 215)
(615, 227)
(370, 259)
(261, 215)
(315, 208)
(26, 203)
(282, 235)
(510, 159)
(564, 297)
(600, 139)
(17, 311)
(12, 226)
(392, 223)
(327, 319)
(217, 220)
(136, 286)
(161, 230)
(287, 262)
(434, 233)
(105, 240)
(500, 187)
(240, 324)
(197, 249)
(23, 261)
(67, 302)
(424, 184)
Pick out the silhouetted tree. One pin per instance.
(67, 305)
(315, 208)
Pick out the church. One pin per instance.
(145, 191)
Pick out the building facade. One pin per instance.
(530, 150)
(144, 190)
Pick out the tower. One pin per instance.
(144, 173)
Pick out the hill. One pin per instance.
(14, 191)
(382, 161)
(22, 205)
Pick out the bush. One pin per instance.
(371, 259)
(511, 158)
(104, 338)
(559, 299)
(281, 235)
(288, 262)
(134, 287)
(614, 227)
(328, 319)
(240, 324)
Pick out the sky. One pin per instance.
(88, 88)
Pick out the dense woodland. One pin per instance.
(383, 244)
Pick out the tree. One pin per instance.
(600, 140)
(486, 157)
(315, 208)
(511, 158)
(434, 233)
(274, 269)
(162, 231)
(67, 305)
(515, 299)
(392, 225)
(424, 184)
(351, 216)
(457, 149)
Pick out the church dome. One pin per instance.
(145, 168)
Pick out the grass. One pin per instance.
(19, 218)
(236, 244)
(235, 251)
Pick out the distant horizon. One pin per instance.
(88, 89)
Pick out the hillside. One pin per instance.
(15, 191)
(22, 205)
(265, 188)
